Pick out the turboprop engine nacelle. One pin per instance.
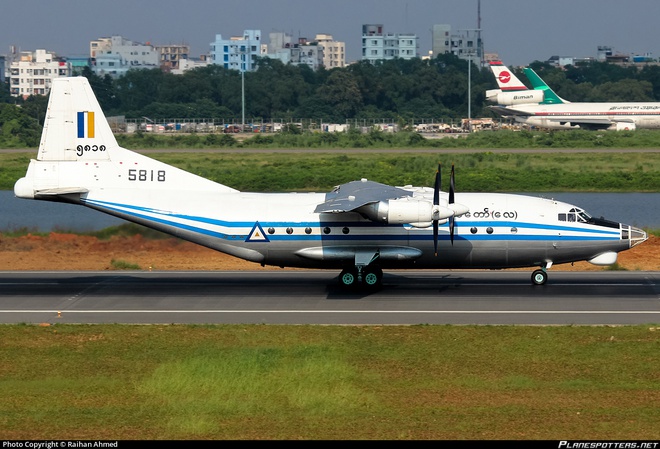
(418, 213)
(510, 98)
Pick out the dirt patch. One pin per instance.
(61, 252)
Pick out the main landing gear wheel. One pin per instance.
(539, 277)
(348, 277)
(373, 277)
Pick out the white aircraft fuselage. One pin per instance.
(643, 115)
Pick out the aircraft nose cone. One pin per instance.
(636, 235)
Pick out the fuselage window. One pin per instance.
(271, 230)
(345, 230)
(583, 216)
(514, 230)
(326, 230)
(289, 230)
(473, 230)
(489, 230)
(308, 230)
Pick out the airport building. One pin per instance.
(32, 73)
(377, 45)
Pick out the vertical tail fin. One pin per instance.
(79, 156)
(549, 95)
(506, 80)
(75, 124)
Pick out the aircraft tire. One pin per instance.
(348, 277)
(539, 277)
(373, 277)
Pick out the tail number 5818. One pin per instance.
(146, 175)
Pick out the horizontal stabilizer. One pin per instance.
(505, 111)
(62, 191)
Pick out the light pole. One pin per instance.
(470, 94)
(243, 96)
(242, 67)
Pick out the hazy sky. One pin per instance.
(520, 31)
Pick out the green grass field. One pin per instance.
(624, 171)
(329, 382)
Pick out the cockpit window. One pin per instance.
(574, 215)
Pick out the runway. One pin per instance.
(314, 297)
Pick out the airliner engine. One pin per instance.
(518, 97)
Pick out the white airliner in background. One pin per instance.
(360, 227)
(553, 112)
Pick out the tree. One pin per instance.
(625, 90)
(342, 93)
(5, 96)
(35, 106)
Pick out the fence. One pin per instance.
(256, 125)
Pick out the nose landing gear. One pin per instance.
(540, 276)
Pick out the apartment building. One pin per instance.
(377, 45)
(172, 55)
(116, 55)
(334, 52)
(239, 52)
(32, 73)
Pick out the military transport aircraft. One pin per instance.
(360, 227)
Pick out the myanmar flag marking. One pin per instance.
(86, 124)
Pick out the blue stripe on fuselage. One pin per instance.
(417, 235)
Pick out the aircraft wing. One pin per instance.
(348, 197)
(585, 121)
(593, 123)
(505, 111)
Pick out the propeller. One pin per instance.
(451, 201)
(450, 211)
(436, 203)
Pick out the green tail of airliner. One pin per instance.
(549, 95)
